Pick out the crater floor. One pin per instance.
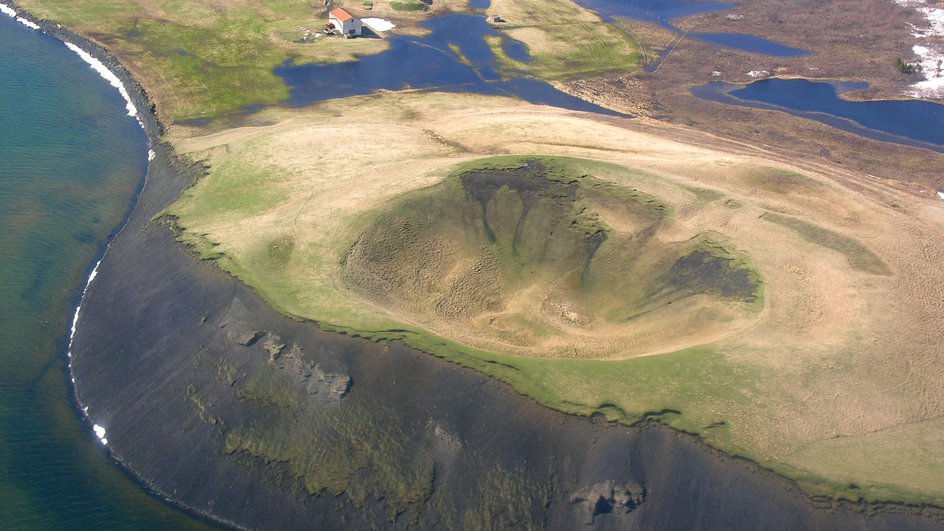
(535, 256)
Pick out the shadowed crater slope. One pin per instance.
(536, 256)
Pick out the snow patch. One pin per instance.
(935, 17)
(932, 66)
(107, 74)
(378, 24)
(931, 59)
(940, 193)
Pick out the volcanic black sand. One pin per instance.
(223, 405)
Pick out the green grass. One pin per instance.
(859, 256)
(581, 387)
(782, 181)
(408, 6)
(563, 42)
(609, 52)
(201, 59)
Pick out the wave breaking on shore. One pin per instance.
(107, 74)
(132, 111)
(7, 10)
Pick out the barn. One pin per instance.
(344, 22)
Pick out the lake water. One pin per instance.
(909, 122)
(750, 43)
(70, 163)
(664, 11)
(661, 11)
(453, 57)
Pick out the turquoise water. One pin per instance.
(70, 163)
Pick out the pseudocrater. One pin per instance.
(531, 256)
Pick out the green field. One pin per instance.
(200, 59)
(563, 40)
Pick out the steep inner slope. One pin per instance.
(526, 255)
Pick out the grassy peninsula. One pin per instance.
(783, 373)
(597, 265)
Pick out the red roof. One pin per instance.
(340, 14)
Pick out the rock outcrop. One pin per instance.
(609, 497)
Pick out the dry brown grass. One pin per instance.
(841, 361)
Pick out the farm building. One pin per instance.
(344, 22)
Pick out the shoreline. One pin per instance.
(164, 161)
(158, 154)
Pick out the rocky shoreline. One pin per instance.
(224, 407)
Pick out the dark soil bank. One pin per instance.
(224, 406)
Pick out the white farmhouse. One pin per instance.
(344, 22)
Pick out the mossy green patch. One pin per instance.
(858, 255)
(331, 449)
(783, 181)
(408, 6)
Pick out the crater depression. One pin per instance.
(532, 256)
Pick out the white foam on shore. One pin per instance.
(7, 10)
(378, 24)
(114, 81)
(28, 23)
(78, 309)
(107, 74)
(100, 433)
